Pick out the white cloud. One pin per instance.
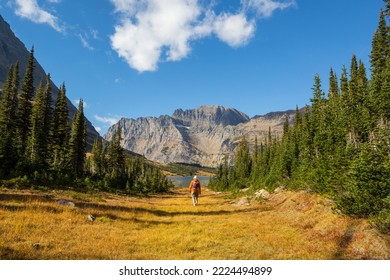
(31, 10)
(85, 43)
(235, 30)
(266, 8)
(107, 120)
(154, 28)
(98, 129)
(152, 31)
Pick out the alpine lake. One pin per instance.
(184, 182)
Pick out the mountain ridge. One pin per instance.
(205, 135)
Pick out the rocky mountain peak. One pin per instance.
(205, 135)
(212, 115)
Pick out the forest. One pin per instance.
(40, 145)
(339, 145)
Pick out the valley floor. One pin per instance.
(287, 226)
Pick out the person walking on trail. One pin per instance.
(195, 190)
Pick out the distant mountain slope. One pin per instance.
(205, 135)
(12, 50)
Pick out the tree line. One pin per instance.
(40, 144)
(339, 145)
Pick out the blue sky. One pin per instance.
(138, 58)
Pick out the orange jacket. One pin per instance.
(192, 190)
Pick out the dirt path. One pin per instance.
(289, 225)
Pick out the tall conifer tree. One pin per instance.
(25, 105)
(8, 107)
(116, 159)
(60, 130)
(78, 142)
(243, 162)
(47, 114)
(35, 148)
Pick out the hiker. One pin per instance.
(195, 190)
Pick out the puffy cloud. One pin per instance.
(31, 10)
(153, 28)
(151, 31)
(235, 30)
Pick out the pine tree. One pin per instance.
(364, 104)
(383, 99)
(97, 159)
(78, 143)
(60, 130)
(255, 152)
(286, 125)
(243, 162)
(47, 117)
(387, 11)
(8, 107)
(369, 182)
(225, 180)
(116, 160)
(39, 139)
(334, 90)
(25, 105)
(318, 114)
(35, 148)
(380, 48)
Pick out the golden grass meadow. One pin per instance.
(286, 226)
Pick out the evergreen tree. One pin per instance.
(25, 105)
(380, 48)
(286, 125)
(8, 107)
(39, 139)
(317, 119)
(47, 117)
(387, 11)
(369, 182)
(78, 143)
(35, 148)
(255, 153)
(243, 162)
(116, 160)
(98, 157)
(364, 104)
(334, 91)
(60, 130)
(383, 99)
(380, 59)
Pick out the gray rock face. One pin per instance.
(204, 136)
(12, 50)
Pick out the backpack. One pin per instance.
(196, 186)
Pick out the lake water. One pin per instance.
(184, 182)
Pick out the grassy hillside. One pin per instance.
(289, 225)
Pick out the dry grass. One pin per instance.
(290, 225)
